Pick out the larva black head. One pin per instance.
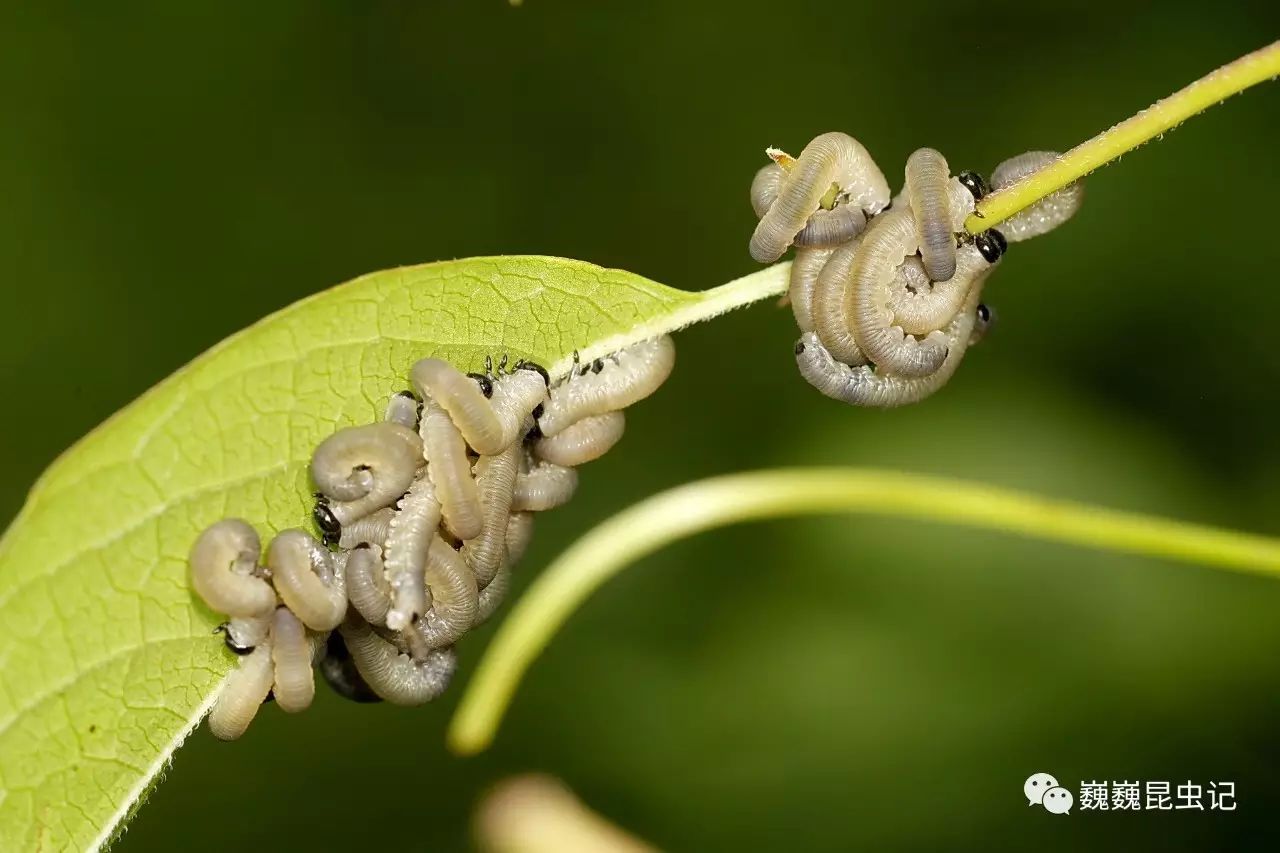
(534, 434)
(538, 410)
(597, 365)
(330, 527)
(407, 394)
(485, 383)
(984, 314)
(538, 369)
(799, 346)
(230, 642)
(339, 670)
(991, 244)
(974, 183)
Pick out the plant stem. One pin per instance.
(1230, 79)
(683, 511)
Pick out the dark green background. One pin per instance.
(173, 171)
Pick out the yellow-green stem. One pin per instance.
(1230, 79)
(683, 511)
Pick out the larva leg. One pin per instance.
(402, 409)
(224, 570)
(545, 486)
(585, 441)
(635, 373)
(244, 691)
(367, 587)
(408, 541)
(826, 228)
(463, 399)
(295, 684)
(395, 676)
(304, 575)
(1047, 213)
(340, 672)
(832, 158)
(450, 471)
(519, 532)
(371, 530)
(887, 243)
(927, 176)
(454, 597)
(365, 468)
(495, 478)
(804, 278)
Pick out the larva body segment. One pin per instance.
(450, 471)
(362, 469)
(492, 596)
(515, 396)
(402, 409)
(372, 529)
(224, 570)
(393, 675)
(627, 378)
(454, 596)
(832, 158)
(367, 587)
(544, 486)
(829, 319)
(458, 395)
(927, 176)
(887, 243)
(519, 533)
(305, 578)
(408, 541)
(1047, 213)
(805, 269)
(585, 441)
(243, 692)
(919, 307)
(294, 684)
(495, 478)
(826, 228)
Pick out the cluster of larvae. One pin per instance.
(887, 292)
(421, 517)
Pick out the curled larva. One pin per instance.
(825, 228)
(367, 587)
(393, 675)
(832, 158)
(454, 597)
(890, 240)
(294, 685)
(633, 374)
(372, 529)
(403, 409)
(1047, 213)
(362, 469)
(305, 577)
(927, 176)
(224, 570)
(805, 268)
(585, 441)
(866, 386)
(919, 307)
(519, 532)
(449, 468)
(408, 540)
(243, 692)
(515, 396)
(487, 426)
(340, 672)
(544, 486)
(495, 479)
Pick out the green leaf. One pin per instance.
(107, 660)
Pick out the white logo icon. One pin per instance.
(1041, 789)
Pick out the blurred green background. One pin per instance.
(173, 172)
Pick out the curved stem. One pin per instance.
(1230, 79)
(681, 512)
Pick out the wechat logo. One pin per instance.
(1041, 789)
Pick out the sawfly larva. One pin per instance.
(495, 479)
(584, 441)
(243, 692)
(544, 486)
(294, 684)
(454, 597)
(1044, 215)
(626, 378)
(393, 675)
(306, 580)
(825, 228)
(409, 538)
(927, 177)
(362, 469)
(449, 468)
(225, 573)
(367, 587)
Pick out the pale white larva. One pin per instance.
(487, 426)
(832, 158)
(492, 596)
(371, 529)
(805, 269)
(1047, 213)
(409, 538)
(362, 469)
(225, 573)
(393, 675)
(243, 692)
(450, 471)
(827, 227)
(544, 486)
(294, 682)
(305, 577)
(625, 378)
(927, 177)
(495, 479)
(519, 533)
(243, 633)
(584, 441)
(920, 307)
(454, 597)
(367, 587)
(402, 409)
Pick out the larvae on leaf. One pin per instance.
(403, 409)
(225, 573)
(584, 441)
(626, 378)
(243, 692)
(367, 586)
(305, 577)
(362, 469)
(544, 486)
(371, 530)
(495, 479)
(408, 540)
(487, 426)
(832, 158)
(454, 596)
(393, 675)
(449, 469)
(1045, 214)
(294, 685)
